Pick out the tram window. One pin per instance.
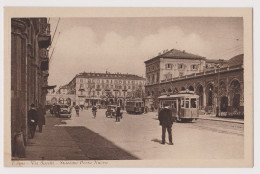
(193, 103)
(187, 104)
(174, 104)
(182, 102)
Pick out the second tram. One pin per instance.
(135, 107)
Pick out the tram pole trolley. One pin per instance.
(184, 105)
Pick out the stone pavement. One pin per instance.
(135, 137)
(61, 142)
(54, 143)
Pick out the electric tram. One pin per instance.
(135, 107)
(184, 105)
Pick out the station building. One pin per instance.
(219, 83)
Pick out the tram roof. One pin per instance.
(178, 96)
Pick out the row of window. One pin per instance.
(110, 81)
(181, 66)
(104, 93)
(154, 78)
(170, 66)
(153, 67)
(107, 86)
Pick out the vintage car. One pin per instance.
(111, 111)
(64, 111)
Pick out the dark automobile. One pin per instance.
(64, 111)
(111, 111)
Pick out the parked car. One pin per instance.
(65, 111)
(111, 111)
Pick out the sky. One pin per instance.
(123, 44)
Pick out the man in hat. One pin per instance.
(32, 120)
(41, 117)
(166, 121)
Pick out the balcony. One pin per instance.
(44, 37)
(44, 65)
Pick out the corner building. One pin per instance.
(105, 88)
(30, 39)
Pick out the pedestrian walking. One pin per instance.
(32, 120)
(118, 113)
(41, 117)
(77, 110)
(166, 121)
(94, 111)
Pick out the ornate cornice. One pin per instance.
(18, 23)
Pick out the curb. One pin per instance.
(231, 121)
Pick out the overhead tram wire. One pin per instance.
(54, 47)
(227, 51)
(55, 31)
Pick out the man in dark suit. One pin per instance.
(118, 113)
(41, 117)
(32, 120)
(166, 121)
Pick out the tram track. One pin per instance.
(217, 126)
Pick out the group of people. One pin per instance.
(36, 117)
(94, 110)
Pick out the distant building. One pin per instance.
(104, 88)
(219, 83)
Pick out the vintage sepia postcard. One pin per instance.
(128, 87)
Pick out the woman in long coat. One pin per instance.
(41, 117)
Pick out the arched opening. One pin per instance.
(111, 101)
(68, 101)
(148, 93)
(54, 100)
(169, 90)
(222, 94)
(224, 104)
(209, 90)
(175, 90)
(191, 88)
(183, 88)
(199, 92)
(235, 94)
(163, 91)
(61, 100)
(120, 102)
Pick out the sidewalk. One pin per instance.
(213, 117)
(54, 143)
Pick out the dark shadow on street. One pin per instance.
(157, 141)
(96, 147)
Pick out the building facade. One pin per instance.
(105, 88)
(30, 39)
(219, 83)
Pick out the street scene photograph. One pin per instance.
(127, 88)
